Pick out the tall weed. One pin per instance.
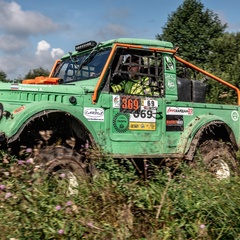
(117, 204)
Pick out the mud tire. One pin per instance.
(62, 166)
(219, 159)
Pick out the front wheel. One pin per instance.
(64, 167)
(219, 159)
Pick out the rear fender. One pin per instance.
(204, 127)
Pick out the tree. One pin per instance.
(3, 76)
(225, 53)
(192, 28)
(36, 73)
(224, 62)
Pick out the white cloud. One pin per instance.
(18, 28)
(111, 31)
(44, 50)
(57, 53)
(42, 47)
(18, 65)
(11, 43)
(14, 20)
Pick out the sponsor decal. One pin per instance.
(14, 86)
(170, 82)
(116, 101)
(30, 89)
(142, 126)
(169, 63)
(18, 109)
(120, 122)
(179, 111)
(94, 114)
(135, 113)
(235, 116)
(144, 119)
(174, 123)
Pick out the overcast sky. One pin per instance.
(34, 34)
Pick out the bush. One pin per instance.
(116, 204)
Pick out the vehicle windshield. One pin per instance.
(82, 67)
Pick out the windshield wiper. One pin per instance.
(88, 59)
(73, 61)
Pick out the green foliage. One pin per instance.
(36, 73)
(117, 204)
(192, 28)
(200, 35)
(224, 62)
(3, 76)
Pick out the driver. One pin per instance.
(137, 84)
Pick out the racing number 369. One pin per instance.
(130, 104)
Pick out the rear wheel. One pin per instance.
(219, 159)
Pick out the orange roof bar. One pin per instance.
(210, 75)
(95, 93)
(143, 47)
(173, 51)
(54, 67)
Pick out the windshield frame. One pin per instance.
(85, 66)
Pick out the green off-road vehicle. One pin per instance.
(56, 119)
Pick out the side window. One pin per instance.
(137, 73)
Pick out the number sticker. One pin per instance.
(143, 116)
(150, 104)
(129, 104)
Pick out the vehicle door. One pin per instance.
(137, 117)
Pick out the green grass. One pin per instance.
(117, 204)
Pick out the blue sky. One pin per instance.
(35, 33)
